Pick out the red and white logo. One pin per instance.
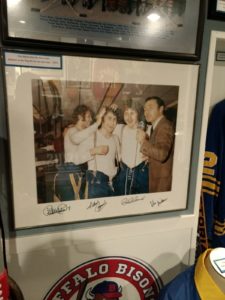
(114, 278)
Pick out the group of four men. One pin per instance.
(110, 159)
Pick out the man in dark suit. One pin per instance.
(159, 146)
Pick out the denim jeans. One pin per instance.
(68, 176)
(131, 181)
(98, 185)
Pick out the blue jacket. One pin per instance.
(195, 283)
(182, 287)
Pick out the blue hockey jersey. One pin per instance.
(195, 283)
(211, 227)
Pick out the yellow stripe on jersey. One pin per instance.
(210, 185)
(219, 227)
(210, 192)
(211, 178)
(220, 223)
(219, 231)
(208, 171)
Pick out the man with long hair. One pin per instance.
(102, 168)
(70, 180)
(133, 174)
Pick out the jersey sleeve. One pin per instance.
(211, 227)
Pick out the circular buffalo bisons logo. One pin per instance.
(114, 278)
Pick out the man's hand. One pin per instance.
(145, 158)
(114, 106)
(100, 116)
(141, 136)
(100, 150)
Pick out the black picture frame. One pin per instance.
(215, 10)
(165, 40)
(80, 80)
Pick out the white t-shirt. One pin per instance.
(130, 148)
(104, 163)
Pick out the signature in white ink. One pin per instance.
(59, 209)
(154, 203)
(132, 199)
(97, 205)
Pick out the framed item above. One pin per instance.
(81, 145)
(216, 10)
(141, 28)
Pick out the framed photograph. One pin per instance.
(216, 10)
(97, 138)
(128, 28)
